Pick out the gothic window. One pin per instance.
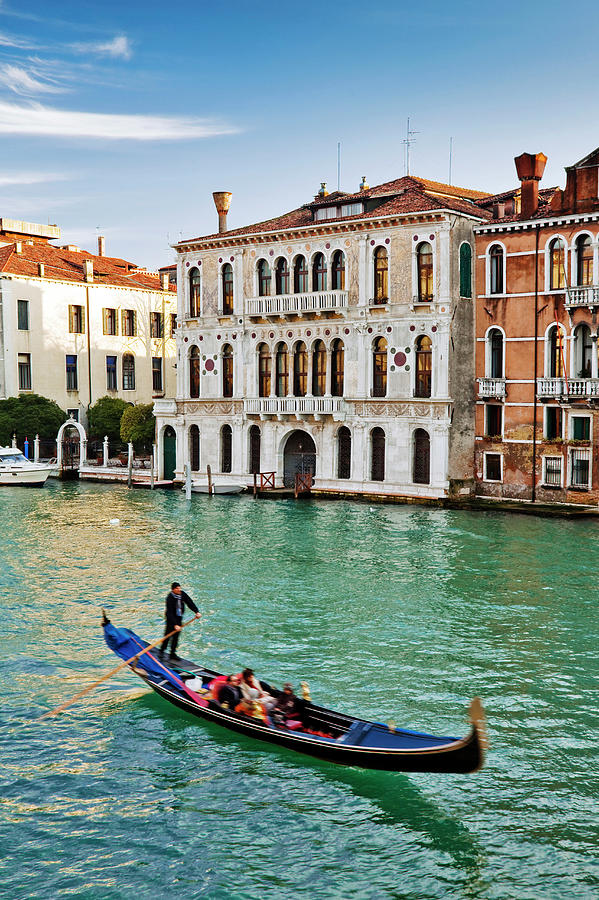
(226, 448)
(496, 269)
(381, 275)
(264, 377)
(495, 340)
(557, 263)
(300, 370)
(377, 454)
(282, 370)
(584, 260)
(195, 285)
(227, 284)
(194, 373)
(337, 368)
(424, 264)
(424, 366)
(227, 364)
(379, 367)
(319, 369)
(300, 276)
(344, 452)
(582, 351)
(338, 271)
(264, 277)
(282, 276)
(319, 273)
(422, 457)
(556, 353)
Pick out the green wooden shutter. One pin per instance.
(465, 270)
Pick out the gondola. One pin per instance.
(325, 734)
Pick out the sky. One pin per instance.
(122, 118)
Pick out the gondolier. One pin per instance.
(173, 613)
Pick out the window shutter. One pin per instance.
(465, 270)
(82, 308)
(71, 323)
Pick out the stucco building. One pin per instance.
(75, 326)
(537, 424)
(336, 339)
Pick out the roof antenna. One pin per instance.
(338, 166)
(450, 155)
(407, 143)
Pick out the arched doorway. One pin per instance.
(422, 457)
(169, 445)
(254, 449)
(71, 448)
(299, 457)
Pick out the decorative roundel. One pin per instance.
(412, 328)
(392, 349)
(218, 337)
(253, 334)
(216, 371)
(271, 334)
(431, 237)
(290, 334)
(389, 329)
(370, 331)
(407, 368)
(203, 371)
(234, 336)
(408, 349)
(308, 333)
(289, 249)
(271, 252)
(215, 357)
(392, 368)
(415, 237)
(442, 309)
(187, 264)
(400, 359)
(387, 240)
(434, 328)
(199, 262)
(220, 259)
(346, 331)
(209, 365)
(231, 259)
(372, 243)
(185, 339)
(348, 243)
(327, 331)
(327, 246)
(307, 246)
(201, 337)
(203, 356)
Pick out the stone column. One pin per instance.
(129, 455)
(328, 372)
(273, 374)
(83, 452)
(14, 442)
(105, 450)
(36, 448)
(594, 365)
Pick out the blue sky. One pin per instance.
(122, 117)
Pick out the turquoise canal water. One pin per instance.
(392, 612)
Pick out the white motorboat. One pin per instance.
(219, 487)
(17, 469)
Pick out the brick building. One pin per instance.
(537, 277)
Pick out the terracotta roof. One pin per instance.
(68, 265)
(405, 195)
(544, 210)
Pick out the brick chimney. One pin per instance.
(41, 269)
(164, 281)
(222, 201)
(18, 247)
(530, 168)
(101, 245)
(88, 269)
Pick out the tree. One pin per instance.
(138, 425)
(28, 415)
(105, 417)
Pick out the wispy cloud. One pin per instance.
(51, 122)
(17, 179)
(118, 48)
(9, 40)
(21, 81)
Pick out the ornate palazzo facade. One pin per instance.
(337, 339)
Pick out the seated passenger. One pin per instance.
(227, 692)
(252, 708)
(289, 709)
(251, 689)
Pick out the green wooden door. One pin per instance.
(170, 453)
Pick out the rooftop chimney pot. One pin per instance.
(222, 201)
(40, 269)
(101, 245)
(164, 281)
(18, 247)
(530, 168)
(88, 269)
(364, 184)
(323, 190)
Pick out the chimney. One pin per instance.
(323, 191)
(40, 270)
(164, 281)
(222, 201)
(364, 184)
(18, 247)
(88, 269)
(530, 168)
(101, 245)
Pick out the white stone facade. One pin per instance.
(351, 315)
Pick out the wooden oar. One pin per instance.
(54, 712)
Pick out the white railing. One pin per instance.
(491, 387)
(296, 303)
(583, 296)
(277, 406)
(573, 387)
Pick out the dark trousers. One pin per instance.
(174, 640)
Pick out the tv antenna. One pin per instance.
(407, 142)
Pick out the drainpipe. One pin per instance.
(89, 353)
(536, 353)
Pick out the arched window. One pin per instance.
(381, 275)
(254, 449)
(495, 354)
(263, 278)
(264, 376)
(424, 366)
(227, 282)
(300, 276)
(319, 273)
(583, 348)
(194, 373)
(195, 287)
(128, 372)
(337, 367)
(227, 363)
(556, 353)
(282, 370)
(338, 271)
(379, 368)
(424, 265)
(557, 264)
(496, 269)
(465, 270)
(281, 276)
(226, 448)
(344, 452)
(319, 369)
(422, 457)
(194, 448)
(300, 370)
(377, 454)
(584, 260)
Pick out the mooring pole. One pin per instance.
(209, 473)
(187, 482)
(152, 470)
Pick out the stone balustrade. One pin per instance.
(583, 296)
(295, 304)
(491, 387)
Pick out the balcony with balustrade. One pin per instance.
(570, 388)
(299, 407)
(491, 387)
(576, 297)
(285, 305)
